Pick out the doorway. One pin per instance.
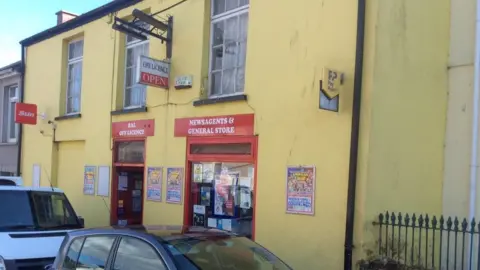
(128, 182)
(221, 184)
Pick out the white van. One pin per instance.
(33, 223)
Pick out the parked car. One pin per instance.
(33, 223)
(162, 247)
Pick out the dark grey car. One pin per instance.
(162, 247)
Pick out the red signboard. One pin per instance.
(26, 113)
(226, 125)
(137, 128)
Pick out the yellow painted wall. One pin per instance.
(288, 47)
(403, 132)
(456, 189)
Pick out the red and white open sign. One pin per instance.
(26, 113)
(153, 72)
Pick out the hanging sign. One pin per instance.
(153, 72)
(26, 113)
(137, 128)
(227, 125)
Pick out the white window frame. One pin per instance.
(11, 102)
(214, 19)
(69, 63)
(131, 45)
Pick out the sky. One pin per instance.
(21, 19)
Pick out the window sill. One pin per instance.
(127, 111)
(68, 116)
(216, 100)
(8, 143)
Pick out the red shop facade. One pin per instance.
(128, 174)
(221, 166)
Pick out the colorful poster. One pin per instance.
(174, 185)
(197, 173)
(301, 190)
(223, 200)
(154, 183)
(205, 196)
(89, 180)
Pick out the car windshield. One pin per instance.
(221, 252)
(35, 210)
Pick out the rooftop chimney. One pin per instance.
(63, 16)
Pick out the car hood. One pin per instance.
(30, 245)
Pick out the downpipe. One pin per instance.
(20, 126)
(354, 137)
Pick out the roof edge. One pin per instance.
(13, 66)
(80, 20)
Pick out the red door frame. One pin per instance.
(252, 158)
(114, 186)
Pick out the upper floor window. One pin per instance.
(10, 128)
(228, 47)
(74, 76)
(135, 94)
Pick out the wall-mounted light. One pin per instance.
(144, 17)
(126, 30)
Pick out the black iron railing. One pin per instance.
(428, 242)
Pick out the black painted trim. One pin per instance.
(68, 116)
(210, 101)
(83, 19)
(127, 111)
(354, 137)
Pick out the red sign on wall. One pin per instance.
(137, 128)
(26, 113)
(240, 124)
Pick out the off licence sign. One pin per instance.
(26, 113)
(137, 128)
(227, 125)
(153, 72)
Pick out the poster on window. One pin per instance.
(174, 185)
(223, 198)
(89, 175)
(154, 184)
(301, 190)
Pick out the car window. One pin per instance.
(221, 252)
(94, 253)
(137, 254)
(15, 218)
(70, 261)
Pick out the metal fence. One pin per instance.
(428, 242)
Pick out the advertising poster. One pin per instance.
(154, 183)
(197, 173)
(301, 190)
(223, 199)
(89, 180)
(174, 185)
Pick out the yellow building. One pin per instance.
(246, 114)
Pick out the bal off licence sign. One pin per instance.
(153, 72)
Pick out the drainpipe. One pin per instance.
(354, 137)
(475, 116)
(20, 126)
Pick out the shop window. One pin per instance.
(222, 196)
(130, 152)
(221, 149)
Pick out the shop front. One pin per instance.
(221, 163)
(129, 142)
